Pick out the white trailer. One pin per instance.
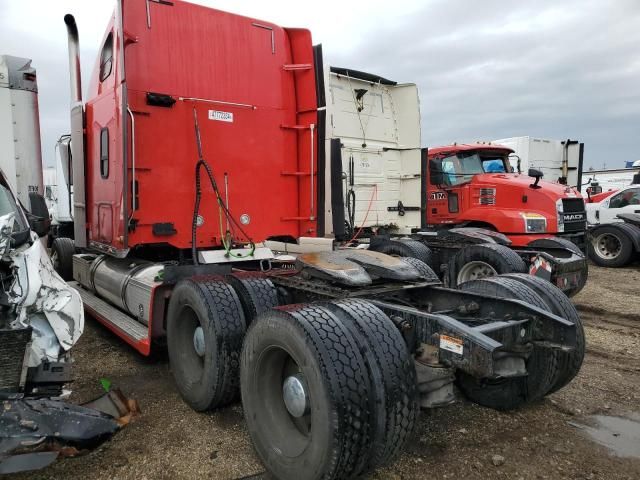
(559, 160)
(20, 151)
(373, 126)
(612, 179)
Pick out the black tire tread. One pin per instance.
(65, 249)
(419, 250)
(425, 270)
(569, 363)
(542, 365)
(406, 248)
(224, 312)
(256, 292)
(344, 372)
(393, 375)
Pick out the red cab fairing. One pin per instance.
(252, 86)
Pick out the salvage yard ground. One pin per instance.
(547, 440)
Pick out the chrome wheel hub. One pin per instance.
(474, 271)
(608, 246)
(295, 396)
(198, 341)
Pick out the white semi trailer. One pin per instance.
(613, 178)
(20, 151)
(559, 160)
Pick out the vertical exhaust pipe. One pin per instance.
(77, 134)
(75, 82)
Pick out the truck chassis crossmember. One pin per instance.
(481, 329)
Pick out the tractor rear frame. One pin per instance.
(352, 338)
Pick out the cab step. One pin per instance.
(126, 327)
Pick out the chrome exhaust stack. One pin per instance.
(77, 134)
(74, 60)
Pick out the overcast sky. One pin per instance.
(485, 69)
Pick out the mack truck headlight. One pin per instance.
(560, 215)
(534, 223)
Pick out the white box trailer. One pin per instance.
(373, 124)
(612, 179)
(20, 151)
(559, 160)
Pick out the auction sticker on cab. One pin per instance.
(220, 116)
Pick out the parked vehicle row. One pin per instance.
(277, 225)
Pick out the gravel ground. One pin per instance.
(546, 440)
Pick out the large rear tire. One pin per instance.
(610, 247)
(406, 248)
(256, 292)
(394, 398)
(542, 363)
(569, 363)
(205, 329)
(306, 394)
(484, 260)
(62, 251)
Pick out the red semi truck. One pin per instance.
(480, 218)
(202, 138)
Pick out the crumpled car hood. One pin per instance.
(42, 299)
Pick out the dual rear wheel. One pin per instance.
(328, 389)
(548, 370)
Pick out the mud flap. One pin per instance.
(541, 267)
(565, 273)
(34, 432)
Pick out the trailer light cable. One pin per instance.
(221, 206)
(373, 195)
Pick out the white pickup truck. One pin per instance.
(614, 228)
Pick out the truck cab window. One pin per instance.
(8, 205)
(104, 152)
(626, 198)
(494, 165)
(106, 58)
(459, 169)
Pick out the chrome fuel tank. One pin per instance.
(127, 284)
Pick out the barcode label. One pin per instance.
(221, 116)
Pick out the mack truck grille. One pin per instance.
(13, 345)
(574, 215)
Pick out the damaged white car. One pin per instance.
(41, 318)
